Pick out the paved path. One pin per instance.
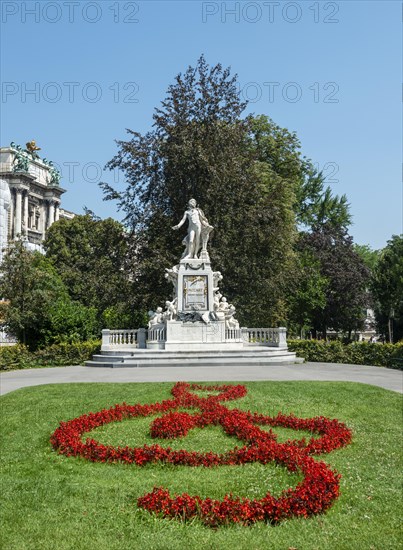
(385, 378)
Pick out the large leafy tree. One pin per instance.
(387, 288)
(346, 275)
(200, 147)
(37, 308)
(30, 286)
(294, 181)
(308, 297)
(91, 255)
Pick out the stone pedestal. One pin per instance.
(195, 326)
(199, 336)
(195, 286)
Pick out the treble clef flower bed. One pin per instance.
(313, 495)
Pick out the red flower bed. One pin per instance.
(317, 491)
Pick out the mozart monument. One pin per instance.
(197, 324)
(198, 317)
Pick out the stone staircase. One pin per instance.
(248, 356)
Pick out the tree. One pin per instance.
(309, 294)
(91, 257)
(387, 288)
(37, 301)
(201, 148)
(347, 279)
(316, 205)
(30, 286)
(369, 256)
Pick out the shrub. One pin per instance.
(356, 353)
(70, 322)
(58, 355)
(14, 357)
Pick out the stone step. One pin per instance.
(186, 355)
(216, 361)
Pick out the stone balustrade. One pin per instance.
(140, 338)
(123, 339)
(272, 337)
(157, 334)
(233, 335)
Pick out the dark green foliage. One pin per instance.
(347, 279)
(57, 355)
(90, 256)
(70, 321)
(308, 295)
(31, 286)
(356, 353)
(96, 260)
(38, 309)
(387, 288)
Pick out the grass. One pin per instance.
(53, 502)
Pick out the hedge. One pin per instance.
(356, 353)
(58, 355)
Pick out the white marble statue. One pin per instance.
(217, 278)
(170, 311)
(172, 276)
(199, 231)
(230, 321)
(223, 307)
(216, 305)
(156, 317)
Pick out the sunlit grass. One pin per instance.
(53, 502)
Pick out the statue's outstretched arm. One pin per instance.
(180, 223)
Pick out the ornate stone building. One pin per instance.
(30, 195)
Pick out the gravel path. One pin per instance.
(377, 376)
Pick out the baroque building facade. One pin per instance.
(30, 195)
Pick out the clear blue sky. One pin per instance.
(97, 68)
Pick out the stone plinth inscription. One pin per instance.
(195, 292)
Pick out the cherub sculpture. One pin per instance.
(171, 311)
(172, 276)
(156, 317)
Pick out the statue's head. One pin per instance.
(192, 203)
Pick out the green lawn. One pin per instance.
(53, 502)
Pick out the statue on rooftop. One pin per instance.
(32, 149)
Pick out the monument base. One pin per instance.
(197, 336)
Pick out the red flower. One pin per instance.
(315, 494)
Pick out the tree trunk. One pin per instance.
(390, 330)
